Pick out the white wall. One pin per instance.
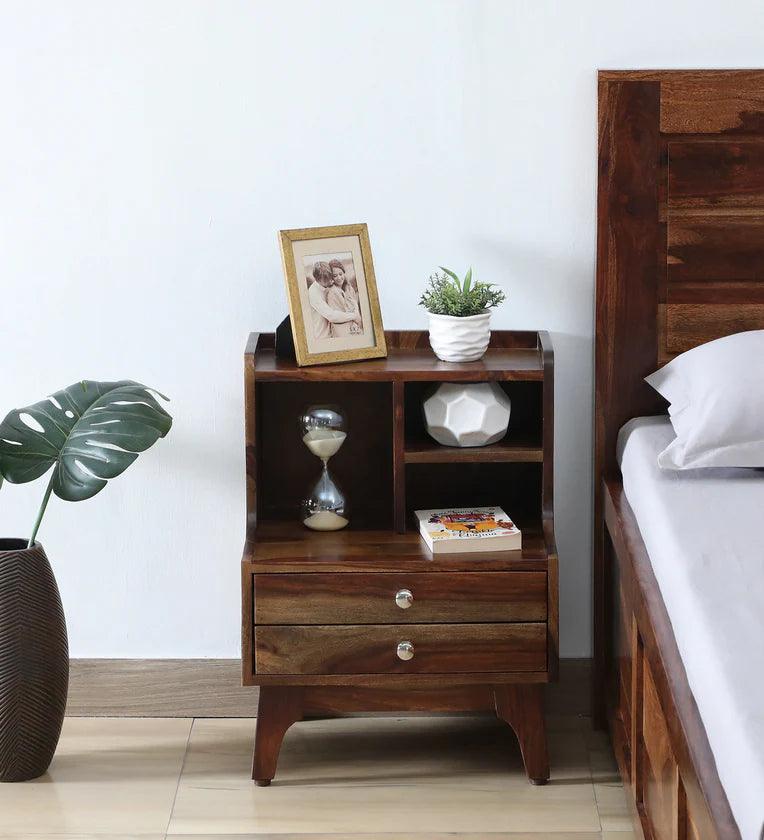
(151, 150)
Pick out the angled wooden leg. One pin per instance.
(277, 709)
(522, 707)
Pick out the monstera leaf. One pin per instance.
(89, 432)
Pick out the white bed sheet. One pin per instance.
(704, 532)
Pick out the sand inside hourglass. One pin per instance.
(324, 443)
(325, 520)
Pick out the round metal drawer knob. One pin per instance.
(404, 599)
(405, 651)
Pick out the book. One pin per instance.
(455, 530)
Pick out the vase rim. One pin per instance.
(16, 544)
(461, 317)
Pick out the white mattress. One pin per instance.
(704, 532)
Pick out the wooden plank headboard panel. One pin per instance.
(680, 227)
(680, 239)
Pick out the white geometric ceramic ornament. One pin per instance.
(467, 415)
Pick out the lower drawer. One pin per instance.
(400, 649)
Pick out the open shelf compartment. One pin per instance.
(521, 443)
(362, 468)
(514, 487)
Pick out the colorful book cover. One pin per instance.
(468, 529)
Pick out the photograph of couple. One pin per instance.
(335, 308)
(332, 292)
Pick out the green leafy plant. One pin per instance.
(89, 432)
(447, 295)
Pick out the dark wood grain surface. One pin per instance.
(691, 324)
(513, 449)
(330, 700)
(370, 598)
(547, 506)
(628, 239)
(715, 248)
(737, 182)
(250, 430)
(419, 364)
(399, 461)
(660, 786)
(430, 682)
(277, 710)
(715, 241)
(523, 709)
(371, 649)
(703, 101)
(287, 547)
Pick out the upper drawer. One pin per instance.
(400, 598)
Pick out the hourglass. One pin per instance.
(324, 430)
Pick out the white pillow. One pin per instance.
(716, 393)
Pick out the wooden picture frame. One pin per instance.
(330, 279)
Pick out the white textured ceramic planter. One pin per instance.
(460, 339)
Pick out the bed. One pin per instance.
(706, 548)
(678, 638)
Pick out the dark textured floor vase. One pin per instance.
(34, 662)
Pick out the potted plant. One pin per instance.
(460, 315)
(88, 433)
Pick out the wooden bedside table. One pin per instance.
(366, 619)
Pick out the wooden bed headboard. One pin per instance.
(680, 227)
(680, 239)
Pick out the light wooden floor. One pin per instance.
(415, 778)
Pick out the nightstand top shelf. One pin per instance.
(512, 356)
